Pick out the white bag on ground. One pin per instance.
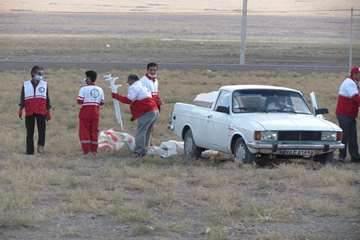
(167, 149)
(173, 147)
(114, 140)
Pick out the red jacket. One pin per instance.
(152, 84)
(137, 107)
(349, 99)
(157, 100)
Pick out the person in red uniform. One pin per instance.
(143, 109)
(91, 97)
(151, 82)
(36, 102)
(347, 111)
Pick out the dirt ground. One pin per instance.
(60, 195)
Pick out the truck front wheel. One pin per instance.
(242, 153)
(191, 151)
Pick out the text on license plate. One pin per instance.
(297, 152)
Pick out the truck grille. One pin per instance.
(299, 136)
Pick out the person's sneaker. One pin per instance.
(40, 149)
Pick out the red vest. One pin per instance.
(35, 99)
(137, 107)
(152, 84)
(348, 100)
(348, 106)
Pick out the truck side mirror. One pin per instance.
(320, 111)
(223, 109)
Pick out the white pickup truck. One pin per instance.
(255, 121)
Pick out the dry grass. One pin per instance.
(92, 48)
(165, 198)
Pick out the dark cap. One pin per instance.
(133, 77)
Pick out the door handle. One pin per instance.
(209, 116)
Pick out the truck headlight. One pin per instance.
(329, 136)
(266, 136)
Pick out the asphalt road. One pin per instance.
(8, 65)
(309, 29)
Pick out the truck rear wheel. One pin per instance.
(191, 151)
(242, 154)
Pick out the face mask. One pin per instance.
(84, 81)
(39, 77)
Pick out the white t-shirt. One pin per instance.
(152, 86)
(137, 91)
(91, 95)
(348, 88)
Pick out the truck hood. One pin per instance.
(290, 122)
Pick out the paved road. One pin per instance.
(4, 65)
(178, 26)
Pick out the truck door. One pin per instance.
(218, 122)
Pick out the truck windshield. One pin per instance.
(268, 100)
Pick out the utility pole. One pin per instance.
(351, 36)
(243, 33)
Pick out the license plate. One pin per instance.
(296, 152)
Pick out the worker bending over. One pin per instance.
(143, 109)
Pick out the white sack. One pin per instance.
(167, 149)
(114, 140)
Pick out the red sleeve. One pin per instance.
(121, 98)
(157, 100)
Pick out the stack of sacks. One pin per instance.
(115, 141)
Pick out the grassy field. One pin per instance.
(60, 195)
(92, 48)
